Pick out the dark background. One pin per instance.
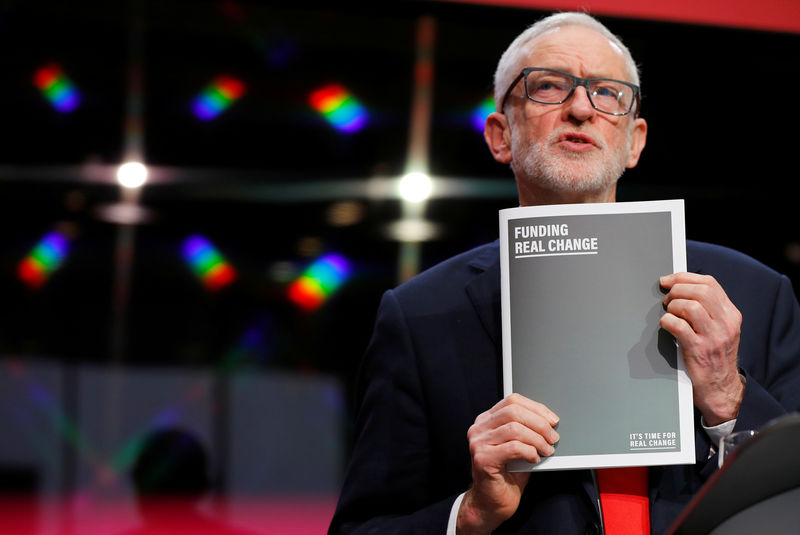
(718, 101)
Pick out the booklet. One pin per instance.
(581, 305)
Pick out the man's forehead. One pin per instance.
(568, 34)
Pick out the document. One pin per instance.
(581, 305)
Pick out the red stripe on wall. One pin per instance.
(771, 15)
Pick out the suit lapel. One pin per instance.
(483, 291)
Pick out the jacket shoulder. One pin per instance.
(714, 259)
(455, 271)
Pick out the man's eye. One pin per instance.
(607, 92)
(548, 85)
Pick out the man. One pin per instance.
(433, 434)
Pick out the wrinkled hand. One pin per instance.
(707, 326)
(515, 428)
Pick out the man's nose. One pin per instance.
(579, 107)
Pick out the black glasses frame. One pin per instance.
(576, 81)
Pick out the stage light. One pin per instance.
(207, 263)
(339, 108)
(43, 260)
(217, 97)
(481, 112)
(132, 175)
(413, 230)
(322, 278)
(415, 187)
(345, 213)
(124, 213)
(57, 88)
(309, 246)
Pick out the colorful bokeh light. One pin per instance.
(480, 113)
(339, 108)
(322, 278)
(57, 88)
(217, 97)
(207, 263)
(43, 260)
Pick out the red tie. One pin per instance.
(623, 498)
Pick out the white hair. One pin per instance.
(508, 66)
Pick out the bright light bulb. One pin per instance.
(132, 175)
(415, 187)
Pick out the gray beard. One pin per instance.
(568, 172)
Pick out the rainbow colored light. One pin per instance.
(480, 113)
(207, 263)
(339, 108)
(217, 97)
(43, 260)
(57, 88)
(319, 281)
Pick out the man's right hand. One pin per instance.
(515, 428)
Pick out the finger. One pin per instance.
(490, 445)
(679, 328)
(720, 310)
(697, 292)
(692, 312)
(698, 347)
(535, 406)
(526, 417)
(702, 288)
(685, 277)
(712, 298)
(498, 456)
(515, 431)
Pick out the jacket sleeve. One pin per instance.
(770, 361)
(386, 488)
(773, 378)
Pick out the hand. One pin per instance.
(707, 326)
(515, 428)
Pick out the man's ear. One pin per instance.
(638, 139)
(498, 136)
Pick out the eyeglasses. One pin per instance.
(550, 86)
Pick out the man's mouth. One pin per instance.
(577, 141)
(577, 138)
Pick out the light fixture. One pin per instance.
(132, 175)
(415, 187)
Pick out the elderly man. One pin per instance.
(433, 434)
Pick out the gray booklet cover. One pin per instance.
(581, 306)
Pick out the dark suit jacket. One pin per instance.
(433, 365)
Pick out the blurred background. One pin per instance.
(225, 303)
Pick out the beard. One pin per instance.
(554, 169)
